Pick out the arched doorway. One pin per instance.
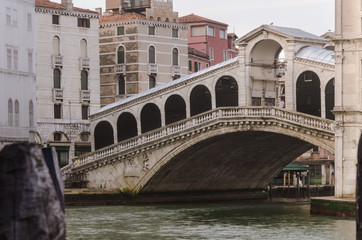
(150, 118)
(200, 100)
(103, 135)
(329, 94)
(126, 126)
(309, 93)
(226, 90)
(175, 109)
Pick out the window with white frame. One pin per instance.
(151, 54)
(175, 57)
(17, 115)
(30, 22)
(10, 113)
(222, 34)
(31, 114)
(120, 31)
(151, 30)
(198, 31)
(211, 54)
(8, 16)
(211, 31)
(174, 32)
(225, 55)
(83, 48)
(9, 58)
(16, 59)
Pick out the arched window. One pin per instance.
(329, 99)
(175, 57)
(309, 93)
(84, 80)
(152, 55)
(121, 55)
(31, 114)
(152, 82)
(10, 113)
(17, 120)
(56, 78)
(121, 85)
(83, 48)
(56, 46)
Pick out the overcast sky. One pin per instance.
(314, 16)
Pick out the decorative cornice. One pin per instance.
(67, 13)
(314, 63)
(145, 22)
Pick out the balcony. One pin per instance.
(84, 63)
(57, 61)
(152, 69)
(58, 94)
(120, 69)
(176, 71)
(85, 95)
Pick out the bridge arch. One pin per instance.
(227, 92)
(150, 117)
(200, 100)
(103, 135)
(308, 94)
(126, 126)
(175, 109)
(329, 99)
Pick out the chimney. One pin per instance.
(67, 5)
(99, 10)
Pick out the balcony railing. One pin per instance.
(58, 94)
(120, 69)
(85, 95)
(152, 69)
(57, 61)
(84, 63)
(176, 71)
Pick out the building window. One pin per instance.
(56, 78)
(120, 55)
(57, 111)
(207, 65)
(16, 60)
(222, 34)
(120, 31)
(8, 16)
(30, 22)
(152, 55)
(190, 66)
(255, 101)
(31, 114)
(175, 57)
(198, 31)
(9, 59)
(84, 137)
(84, 80)
(30, 61)
(269, 102)
(230, 56)
(17, 116)
(225, 55)
(84, 22)
(315, 174)
(174, 32)
(56, 46)
(57, 137)
(10, 113)
(85, 109)
(152, 82)
(211, 31)
(121, 85)
(15, 17)
(211, 54)
(151, 30)
(197, 66)
(55, 19)
(83, 48)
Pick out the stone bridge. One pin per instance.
(230, 148)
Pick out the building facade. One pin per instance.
(210, 37)
(142, 45)
(17, 71)
(67, 76)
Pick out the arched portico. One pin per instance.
(175, 109)
(126, 126)
(309, 93)
(150, 117)
(226, 92)
(200, 100)
(103, 135)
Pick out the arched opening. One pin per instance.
(175, 109)
(56, 46)
(82, 144)
(329, 98)
(121, 55)
(309, 93)
(151, 54)
(61, 143)
(200, 100)
(175, 57)
(56, 78)
(17, 115)
(359, 189)
(84, 80)
(126, 126)
(151, 81)
(103, 135)
(121, 85)
(266, 64)
(150, 118)
(10, 113)
(31, 114)
(226, 90)
(83, 48)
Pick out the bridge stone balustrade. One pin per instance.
(134, 162)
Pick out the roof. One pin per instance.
(166, 85)
(294, 32)
(49, 4)
(193, 18)
(116, 17)
(295, 167)
(316, 54)
(198, 53)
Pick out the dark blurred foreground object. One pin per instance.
(31, 195)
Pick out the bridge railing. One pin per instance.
(201, 119)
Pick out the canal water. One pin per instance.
(231, 221)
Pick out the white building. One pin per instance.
(17, 78)
(67, 53)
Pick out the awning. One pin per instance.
(295, 167)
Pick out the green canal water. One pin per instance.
(232, 221)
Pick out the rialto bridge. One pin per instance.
(220, 128)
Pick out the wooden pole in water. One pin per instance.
(298, 186)
(284, 180)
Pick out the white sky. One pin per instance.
(314, 16)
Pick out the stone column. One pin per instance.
(290, 103)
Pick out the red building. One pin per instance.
(209, 37)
